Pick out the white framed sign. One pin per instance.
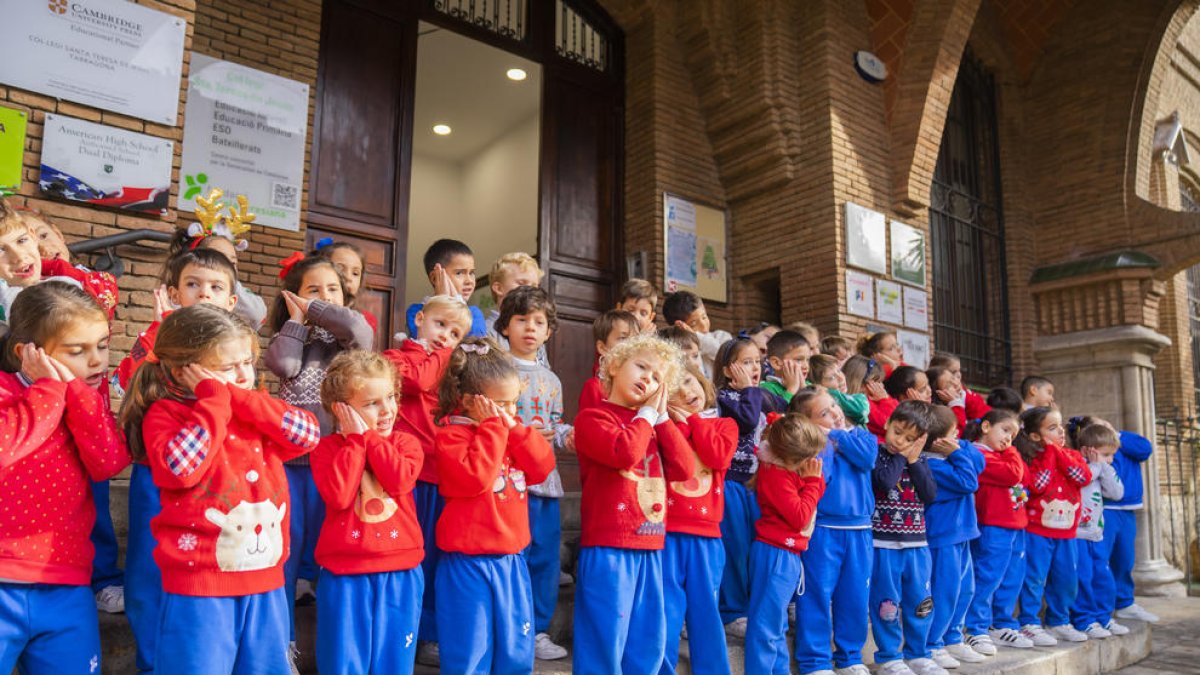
(860, 294)
(108, 54)
(866, 239)
(916, 309)
(908, 254)
(916, 348)
(244, 132)
(888, 304)
(105, 166)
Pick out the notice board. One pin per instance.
(695, 238)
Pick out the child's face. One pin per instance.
(83, 349)
(954, 367)
(998, 436)
(689, 395)
(799, 354)
(891, 349)
(698, 320)
(233, 362)
(441, 328)
(1042, 396)
(461, 269)
(513, 277)
(322, 283)
(504, 393)
(526, 333)
(20, 262)
(900, 436)
(636, 380)
(224, 247)
(920, 391)
(203, 285)
(825, 413)
(750, 359)
(1052, 430)
(50, 241)
(1107, 453)
(833, 379)
(374, 399)
(350, 265)
(643, 309)
(842, 355)
(691, 352)
(621, 331)
(945, 380)
(762, 337)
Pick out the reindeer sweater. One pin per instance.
(1055, 478)
(217, 460)
(696, 505)
(419, 371)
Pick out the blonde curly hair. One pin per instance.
(667, 352)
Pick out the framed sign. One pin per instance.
(916, 309)
(908, 254)
(916, 348)
(695, 248)
(105, 166)
(866, 239)
(860, 294)
(244, 133)
(888, 305)
(12, 149)
(108, 54)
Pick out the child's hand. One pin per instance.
(810, 468)
(64, 373)
(348, 419)
(739, 376)
(678, 414)
(36, 365)
(297, 306)
(875, 390)
(792, 378)
(162, 302)
(1091, 455)
(191, 375)
(546, 433)
(569, 441)
(442, 283)
(684, 326)
(913, 452)
(884, 360)
(952, 394)
(660, 400)
(944, 447)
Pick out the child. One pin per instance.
(864, 376)
(837, 564)
(824, 371)
(787, 356)
(58, 436)
(906, 383)
(527, 320)
(370, 547)
(420, 363)
(311, 326)
(1037, 392)
(686, 310)
(639, 297)
(899, 596)
(998, 554)
(884, 348)
(761, 334)
(450, 265)
(1056, 474)
(1092, 611)
(838, 347)
(789, 484)
(512, 270)
(806, 330)
(609, 329)
(948, 392)
(623, 446)
(950, 526)
(693, 557)
(739, 370)
(349, 261)
(221, 532)
(973, 405)
(1005, 398)
(1120, 523)
(687, 342)
(51, 243)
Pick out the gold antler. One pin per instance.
(239, 220)
(208, 210)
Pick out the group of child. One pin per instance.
(731, 485)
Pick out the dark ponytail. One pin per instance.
(1031, 423)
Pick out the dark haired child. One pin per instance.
(761, 334)
(686, 310)
(350, 262)
(527, 320)
(974, 405)
(1120, 523)
(219, 238)
(450, 266)
(509, 272)
(883, 347)
(948, 392)
(609, 329)
(824, 371)
(900, 600)
(1005, 398)
(1091, 613)
(787, 358)
(1037, 392)
(906, 383)
(687, 342)
(639, 297)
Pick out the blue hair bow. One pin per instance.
(323, 242)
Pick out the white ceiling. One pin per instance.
(462, 83)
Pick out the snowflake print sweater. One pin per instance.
(1000, 501)
(419, 371)
(788, 502)
(55, 438)
(696, 505)
(1055, 478)
(217, 460)
(485, 470)
(748, 407)
(902, 491)
(621, 456)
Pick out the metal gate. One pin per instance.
(1178, 459)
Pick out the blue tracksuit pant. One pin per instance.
(692, 568)
(620, 622)
(367, 623)
(1120, 531)
(998, 555)
(143, 583)
(953, 583)
(485, 610)
(306, 513)
(240, 635)
(47, 629)
(901, 604)
(105, 571)
(1097, 593)
(837, 580)
(1049, 572)
(429, 506)
(776, 576)
(544, 558)
(737, 531)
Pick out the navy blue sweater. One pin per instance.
(748, 407)
(902, 491)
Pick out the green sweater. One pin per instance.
(856, 406)
(776, 387)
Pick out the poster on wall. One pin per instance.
(916, 348)
(908, 254)
(916, 309)
(243, 132)
(888, 304)
(695, 237)
(109, 54)
(866, 243)
(105, 166)
(12, 149)
(860, 294)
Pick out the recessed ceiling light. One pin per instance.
(516, 74)
(442, 129)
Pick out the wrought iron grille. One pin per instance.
(509, 18)
(1189, 203)
(575, 39)
(1178, 451)
(970, 289)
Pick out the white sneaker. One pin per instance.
(966, 653)
(1008, 637)
(736, 628)
(981, 644)
(1097, 632)
(428, 654)
(1067, 633)
(111, 599)
(926, 667)
(1136, 612)
(544, 648)
(895, 668)
(565, 579)
(1038, 636)
(1116, 628)
(944, 659)
(306, 594)
(856, 669)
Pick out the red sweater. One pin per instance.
(788, 502)
(696, 505)
(485, 469)
(592, 394)
(54, 439)
(223, 529)
(976, 406)
(878, 416)
(100, 285)
(1055, 477)
(143, 347)
(420, 373)
(1000, 501)
(370, 523)
(621, 468)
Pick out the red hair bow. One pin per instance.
(289, 262)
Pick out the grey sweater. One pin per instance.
(540, 404)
